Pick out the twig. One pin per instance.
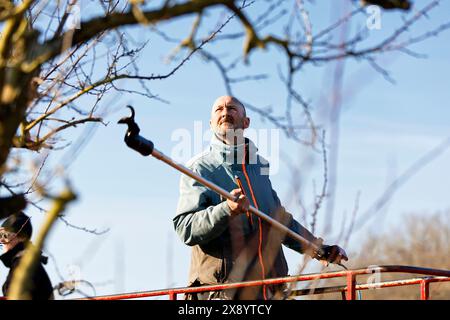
(93, 231)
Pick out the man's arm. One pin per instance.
(196, 220)
(331, 253)
(287, 219)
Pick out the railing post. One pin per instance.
(351, 283)
(424, 290)
(172, 295)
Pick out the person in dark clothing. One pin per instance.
(15, 235)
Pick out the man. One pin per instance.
(15, 235)
(229, 244)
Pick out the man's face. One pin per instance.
(228, 114)
(8, 239)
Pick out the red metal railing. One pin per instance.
(348, 291)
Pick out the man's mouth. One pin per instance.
(228, 120)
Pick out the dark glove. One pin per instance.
(389, 4)
(332, 254)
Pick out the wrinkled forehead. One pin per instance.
(227, 101)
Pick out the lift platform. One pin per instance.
(423, 277)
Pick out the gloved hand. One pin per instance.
(332, 254)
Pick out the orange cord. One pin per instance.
(260, 224)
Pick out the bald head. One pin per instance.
(228, 101)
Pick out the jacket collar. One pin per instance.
(234, 154)
(8, 257)
(15, 253)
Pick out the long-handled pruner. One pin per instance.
(146, 148)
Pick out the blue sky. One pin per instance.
(385, 128)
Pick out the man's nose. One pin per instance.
(224, 112)
(228, 111)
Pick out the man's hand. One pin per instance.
(332, 254)
(241, 205)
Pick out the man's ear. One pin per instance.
(246, 122)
